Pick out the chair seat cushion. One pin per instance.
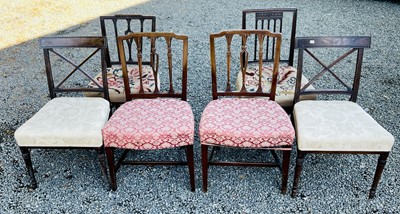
(66, 122)
(146, 124)
(245, 122)
(116, 82)
(285, 86)
(338, 126)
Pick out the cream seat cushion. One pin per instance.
(66, 122)
(285, 86)
(115, 82)
(338, 126)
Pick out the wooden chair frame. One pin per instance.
(49, 44)
(356, 45)
(244, 34)
(136, 38)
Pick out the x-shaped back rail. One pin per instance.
(76, 67)
(328, 68)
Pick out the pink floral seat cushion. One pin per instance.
(147, 124)
(116, 82)
(245, 122)
(285, 85)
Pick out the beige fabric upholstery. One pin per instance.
(338, 126)
(285, 87)
(66, 122)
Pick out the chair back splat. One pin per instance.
(123, 24)
(154, 63)
(120, 25)
(279, 20)
(242, 54)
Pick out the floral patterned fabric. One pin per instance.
(66, 122)
(146, 124)
(338, 126)
(285, 86)
(242, 122)
(116, 82)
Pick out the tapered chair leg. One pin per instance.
(111, 166)
(26, 155)
(379, 169)
(102, 159)
(299, 167)
(190, 160)
(204, 163)
(285, 170)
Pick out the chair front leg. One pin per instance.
(299, 167)
(190, 160)
(285, 170)
(111, 166)
(102, 159)
(204, 163)
(379, 169)
(26, 155)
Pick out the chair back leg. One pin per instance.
(299, 167)
(111, 167)
(204, 163)
(379, 169)
(190, 161)
(102, 159)
(285, 170)
(26, 154)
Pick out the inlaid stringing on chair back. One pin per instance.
(353, 44)
(54, 44)
(262, 37)
(124, 25)
(167, 38)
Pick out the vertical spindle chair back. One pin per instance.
(262, 36)
(154, 38)
(124, 24)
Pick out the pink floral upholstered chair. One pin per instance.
(244, 119)
(280, 20)
(155, 120)
(68, 121)
(336, 124)
(112, 27)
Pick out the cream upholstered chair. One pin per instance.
(112, 27)
(155, 120)
(68, 122)
(280, 20)
(335, 126)
(243, 119)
